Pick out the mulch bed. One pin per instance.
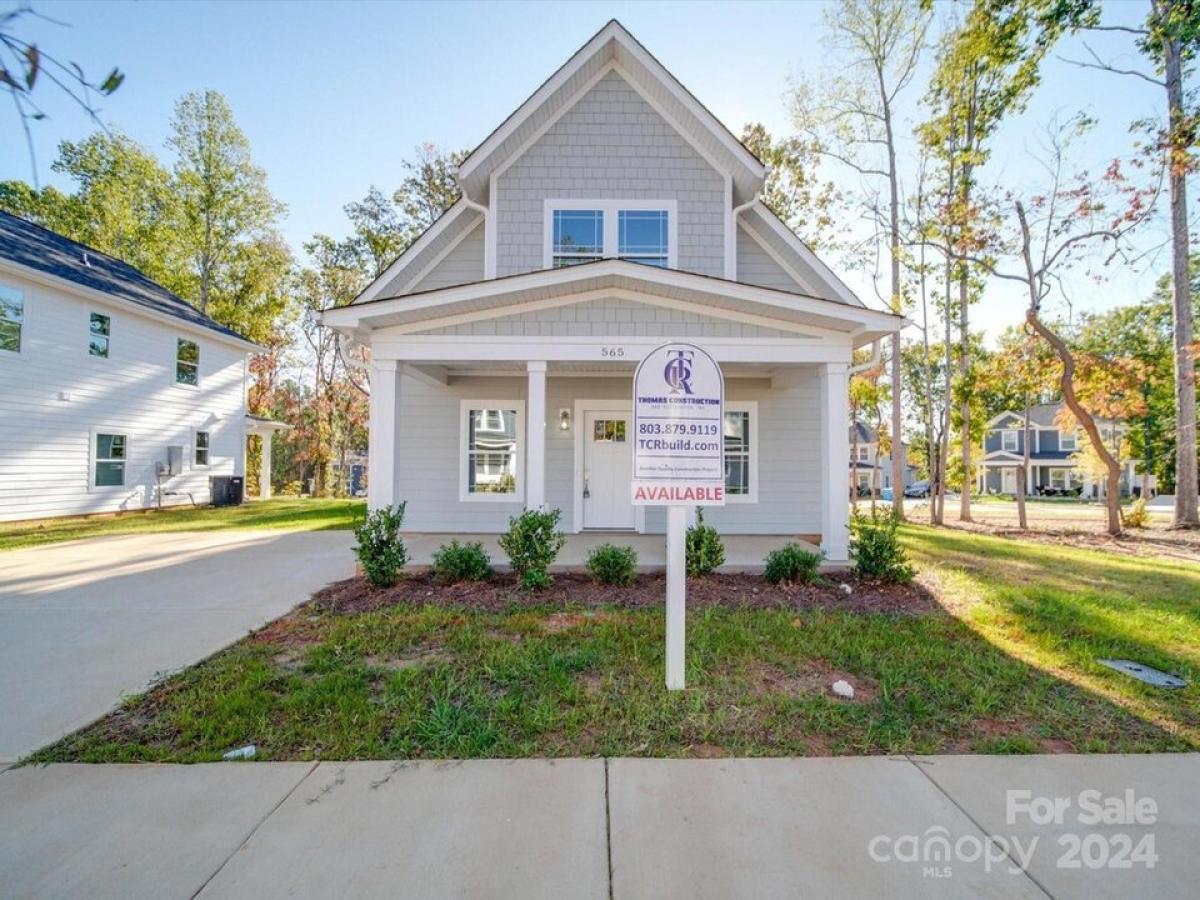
(736, 591)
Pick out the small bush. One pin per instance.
(794, 564)
(532, 544)
(705, 549)
(380, 550)
(455, 562)
(876, 548)
(609, 564)
(1136, 516)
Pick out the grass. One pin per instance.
(1009, 668)
(293, 514)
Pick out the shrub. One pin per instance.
(456, 562)
(793, 563)
(876, 548)
(532, 543)
(1137, 516)
(705, 550)
(380, 550)
(609, 564)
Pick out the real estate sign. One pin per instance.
(678, 425)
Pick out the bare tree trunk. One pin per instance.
(894, 228)
(948, 399)
(1023, 473)
(1186, 485)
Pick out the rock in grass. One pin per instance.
(843, 688)
(845, 588)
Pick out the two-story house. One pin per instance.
(609, 213)
(115, 394)
(1053, 467)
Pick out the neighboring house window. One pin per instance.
(12, 317)
(110, 460)
(741, 451)
(578, 236)
(1008, 440)
(1059, 479)
(187, 362)
(1067, 440)
(98, 335)
(864, 453)
(642, 236)
(491, 451)
(201, 448)
(581, 231)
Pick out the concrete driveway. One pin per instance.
(83, 623)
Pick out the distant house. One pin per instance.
(1052, 468)
(868, 461)
(115, 393)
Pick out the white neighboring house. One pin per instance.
(1053, 469)
(102, 371)
(609, 213)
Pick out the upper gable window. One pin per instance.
(582, 231)
(187, 362)
(98, 335)
(12, 317)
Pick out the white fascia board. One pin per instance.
(413, 250)
(859, 318)
(835, 284)
(111, 301)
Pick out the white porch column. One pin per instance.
(835, 461)
(383, 424)
(535, 431)
(264, 469)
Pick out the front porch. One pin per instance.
(743, 552)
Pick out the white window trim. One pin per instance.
(610, 208)
(1072, 436)
(19, 353)
(175, 364)
(1016, 439)
(95, 312)
(750, 406)
(92, 487)
(464, 408)
(196, 444)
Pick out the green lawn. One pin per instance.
(295, 514)
(1009, 667)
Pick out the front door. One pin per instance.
(1008, 480)
(607, 470)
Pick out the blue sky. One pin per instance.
(333, 96)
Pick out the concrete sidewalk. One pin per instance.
(84, 622)
(623, 828)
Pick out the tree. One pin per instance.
(379, 233)
(851, 118)
(429, 189)
(224, 203)
(25, 65)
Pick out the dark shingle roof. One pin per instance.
(46, 251)
(866, 434)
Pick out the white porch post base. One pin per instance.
(382, 448)
(264, 469)
(835, 462)
(535, 429)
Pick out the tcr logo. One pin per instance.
(678, 371)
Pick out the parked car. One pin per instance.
(917, 489)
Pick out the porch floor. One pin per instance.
(743, 552)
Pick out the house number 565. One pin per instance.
(612, 352)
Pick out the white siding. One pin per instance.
(788, 434)
(610, 145)
(46, 443)
(612, 318)
(462, 265)
(755, 266)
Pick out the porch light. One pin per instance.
(564, 420)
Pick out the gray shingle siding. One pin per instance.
(462, 265)
(611, 318)
(610, 145)
(755, 266)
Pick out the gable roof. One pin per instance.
(42, 250)
(866, 434)
(612, 45)
(1044, 415)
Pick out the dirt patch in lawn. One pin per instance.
(816, 678)
(737, 591)
(294, 631)
(1156, 540)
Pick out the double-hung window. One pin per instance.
(741, 452)
(1009, 440)
(864, 453)
(201, 454)
(187, 362)
(1067, 441)
(491, 455)
(98, 335)
(582, 231)
(109, 460)
(12, 318)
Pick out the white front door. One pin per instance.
(1008, 480)
(607, 469)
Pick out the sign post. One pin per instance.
(678, 461)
